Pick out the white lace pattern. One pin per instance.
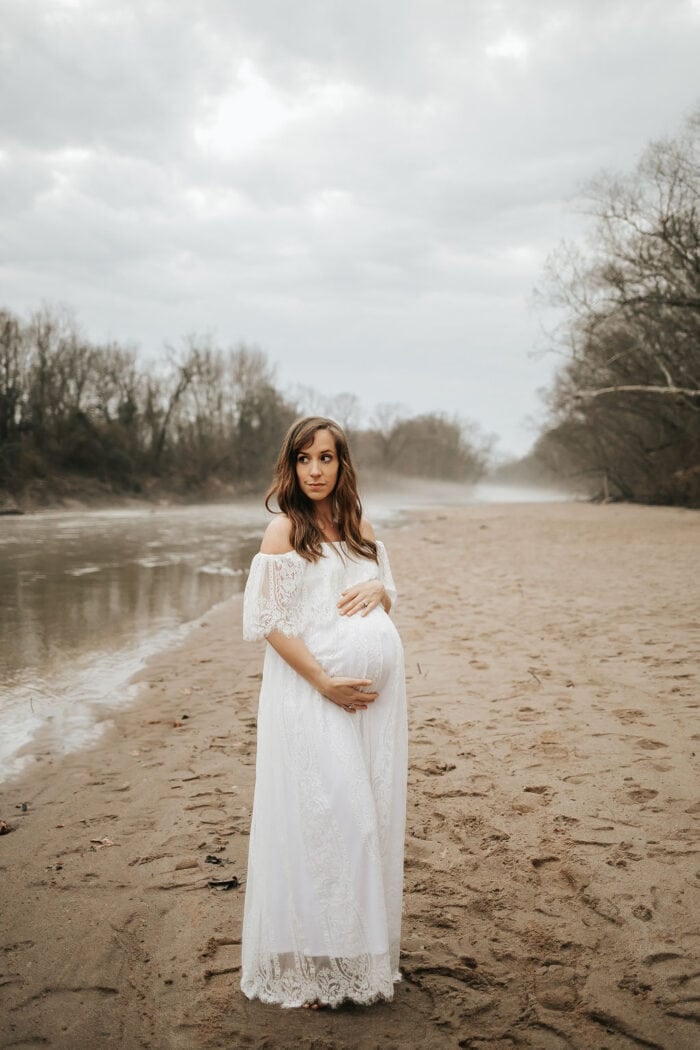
(325, 870)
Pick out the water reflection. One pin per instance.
(104, 580)
(85, 597)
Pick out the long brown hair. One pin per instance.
(306, 537)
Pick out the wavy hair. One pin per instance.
(305, 536)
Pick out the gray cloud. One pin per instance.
(366, 190)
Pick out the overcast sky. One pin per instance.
(366, 189)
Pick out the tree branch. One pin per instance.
(636, 388)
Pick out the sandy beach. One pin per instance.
(552, 853)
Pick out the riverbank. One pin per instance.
(551, 859)
(73, 494)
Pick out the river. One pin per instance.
(86, 596)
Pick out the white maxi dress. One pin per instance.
(322, 916)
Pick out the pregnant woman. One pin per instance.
(322, 913)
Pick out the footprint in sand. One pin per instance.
(89, 821)
(622, 854)
(631, 715)
(555, 988)
(437, 769)
(150, 859)
(449, 793)
(538, 789)
(557, 880)
(527, 714)
(641, 794)
(549, 750)
(18, 946)
(461, 991)
(565, 821)
(539, 862)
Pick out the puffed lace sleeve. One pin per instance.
(385, 572)
(272, 598)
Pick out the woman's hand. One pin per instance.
(349, 693)
(363, 598)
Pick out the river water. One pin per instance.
(86, 597)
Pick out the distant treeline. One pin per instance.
(625, 405)
(72, 410)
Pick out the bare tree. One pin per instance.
(631, 334)
(11, 361)
(345, 409)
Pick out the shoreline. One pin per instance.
(553, 804)
(124, 680)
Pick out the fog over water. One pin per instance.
(86, 596)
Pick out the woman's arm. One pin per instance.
(363, 597)
(349, 693)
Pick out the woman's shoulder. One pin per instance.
(367, 530)
(368, 533)
(277, 537)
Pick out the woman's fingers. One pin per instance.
(352, 693)
(360, 702)
(347, 602)
(362, 598)
(355, 603)
(359, 696)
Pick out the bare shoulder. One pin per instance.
(367, 530)
(276, 539)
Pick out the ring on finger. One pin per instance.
(351, 707)
(365, 604)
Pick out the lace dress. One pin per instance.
(323, 898)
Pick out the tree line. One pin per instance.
(73, 410)
(624, 409)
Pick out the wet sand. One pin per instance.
(552, 855)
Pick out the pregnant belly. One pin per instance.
(358, 647)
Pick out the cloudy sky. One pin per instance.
(366, 189)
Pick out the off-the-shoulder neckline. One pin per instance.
(324, 543)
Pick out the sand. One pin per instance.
(552, 856)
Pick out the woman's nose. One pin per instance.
(315, 469)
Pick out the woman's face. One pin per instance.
(317, 467)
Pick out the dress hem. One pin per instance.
(286, 1004)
